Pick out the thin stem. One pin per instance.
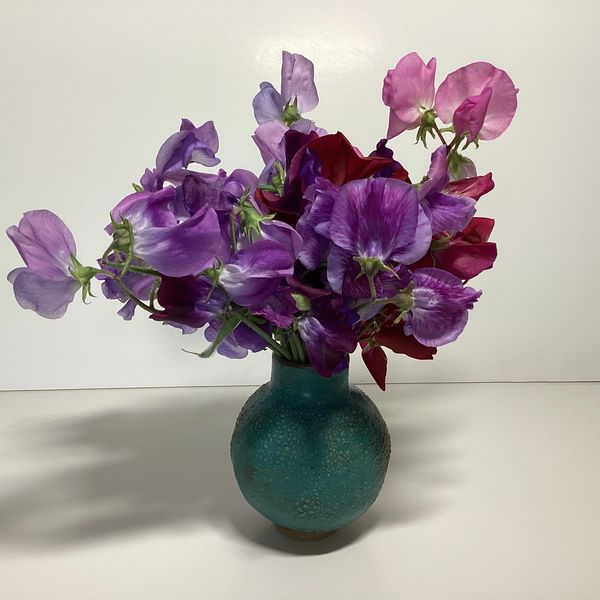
(437, 130)
(270, 341)
(141, 270)
(295, 340)
(131, 295)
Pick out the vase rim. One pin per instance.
(288, 363)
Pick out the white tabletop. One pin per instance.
(493, 493)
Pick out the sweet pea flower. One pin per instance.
(255, 272)
(191, 302)
(173, 248)
(298, 92)
(327, 334)
(479, 99)
(237, 344)
(467, 253)
(446, 212)
(440, 305)
(49, 282)
(409, 90)
(372, 222)
(189, 144)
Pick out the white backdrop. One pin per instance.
(91, 89)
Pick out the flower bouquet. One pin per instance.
(326, 250)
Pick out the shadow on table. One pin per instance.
(137, 470)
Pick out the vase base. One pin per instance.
(305, 536)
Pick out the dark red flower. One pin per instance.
(376, 361)
(341, 163)
(394, 338)
(472, 187)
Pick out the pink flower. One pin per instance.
(409, 91)
(479, 99)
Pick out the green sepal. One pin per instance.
(137, 187)
(291, 113)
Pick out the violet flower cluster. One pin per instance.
(326, 250)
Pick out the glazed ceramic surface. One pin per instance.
(309, 453)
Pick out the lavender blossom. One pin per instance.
(171, 247)
(49, 282)
(255, 272)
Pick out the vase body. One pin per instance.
(309, 453)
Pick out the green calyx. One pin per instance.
(122, 235)
(426, 127)
(276, 183)
(84, 275)
(370, 266)
(290, 113)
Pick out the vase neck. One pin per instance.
(302, 384)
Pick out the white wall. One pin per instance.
(91, 89)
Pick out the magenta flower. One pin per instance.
(439, 311)
(255, 272)
(409, 90)
(479, 100)
(46, 245)
(173, 248)
(374, 221)
(298, 92)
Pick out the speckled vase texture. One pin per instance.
(309, 453)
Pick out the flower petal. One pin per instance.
(49, 298)
(471, 80)
(298, 81)
(184, 249)
(44, 242)
(267, 104)
(408, 89)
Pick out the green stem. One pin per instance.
(278, 348)
(295, 342)
(132, 268)
(437, 130)
(131, 295)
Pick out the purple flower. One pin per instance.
(284, 234)
(173, 248)
(189, 301)
(447, 213)
(409, 89)
(313, 225)
(298, 92)
(375, 221)
(238, 342)
(46, 285)
(189, 144)
(327, 334)
(255, 272)
(439, 311)
(278, 308)
(479, 99)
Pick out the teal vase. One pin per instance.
(310, 453)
